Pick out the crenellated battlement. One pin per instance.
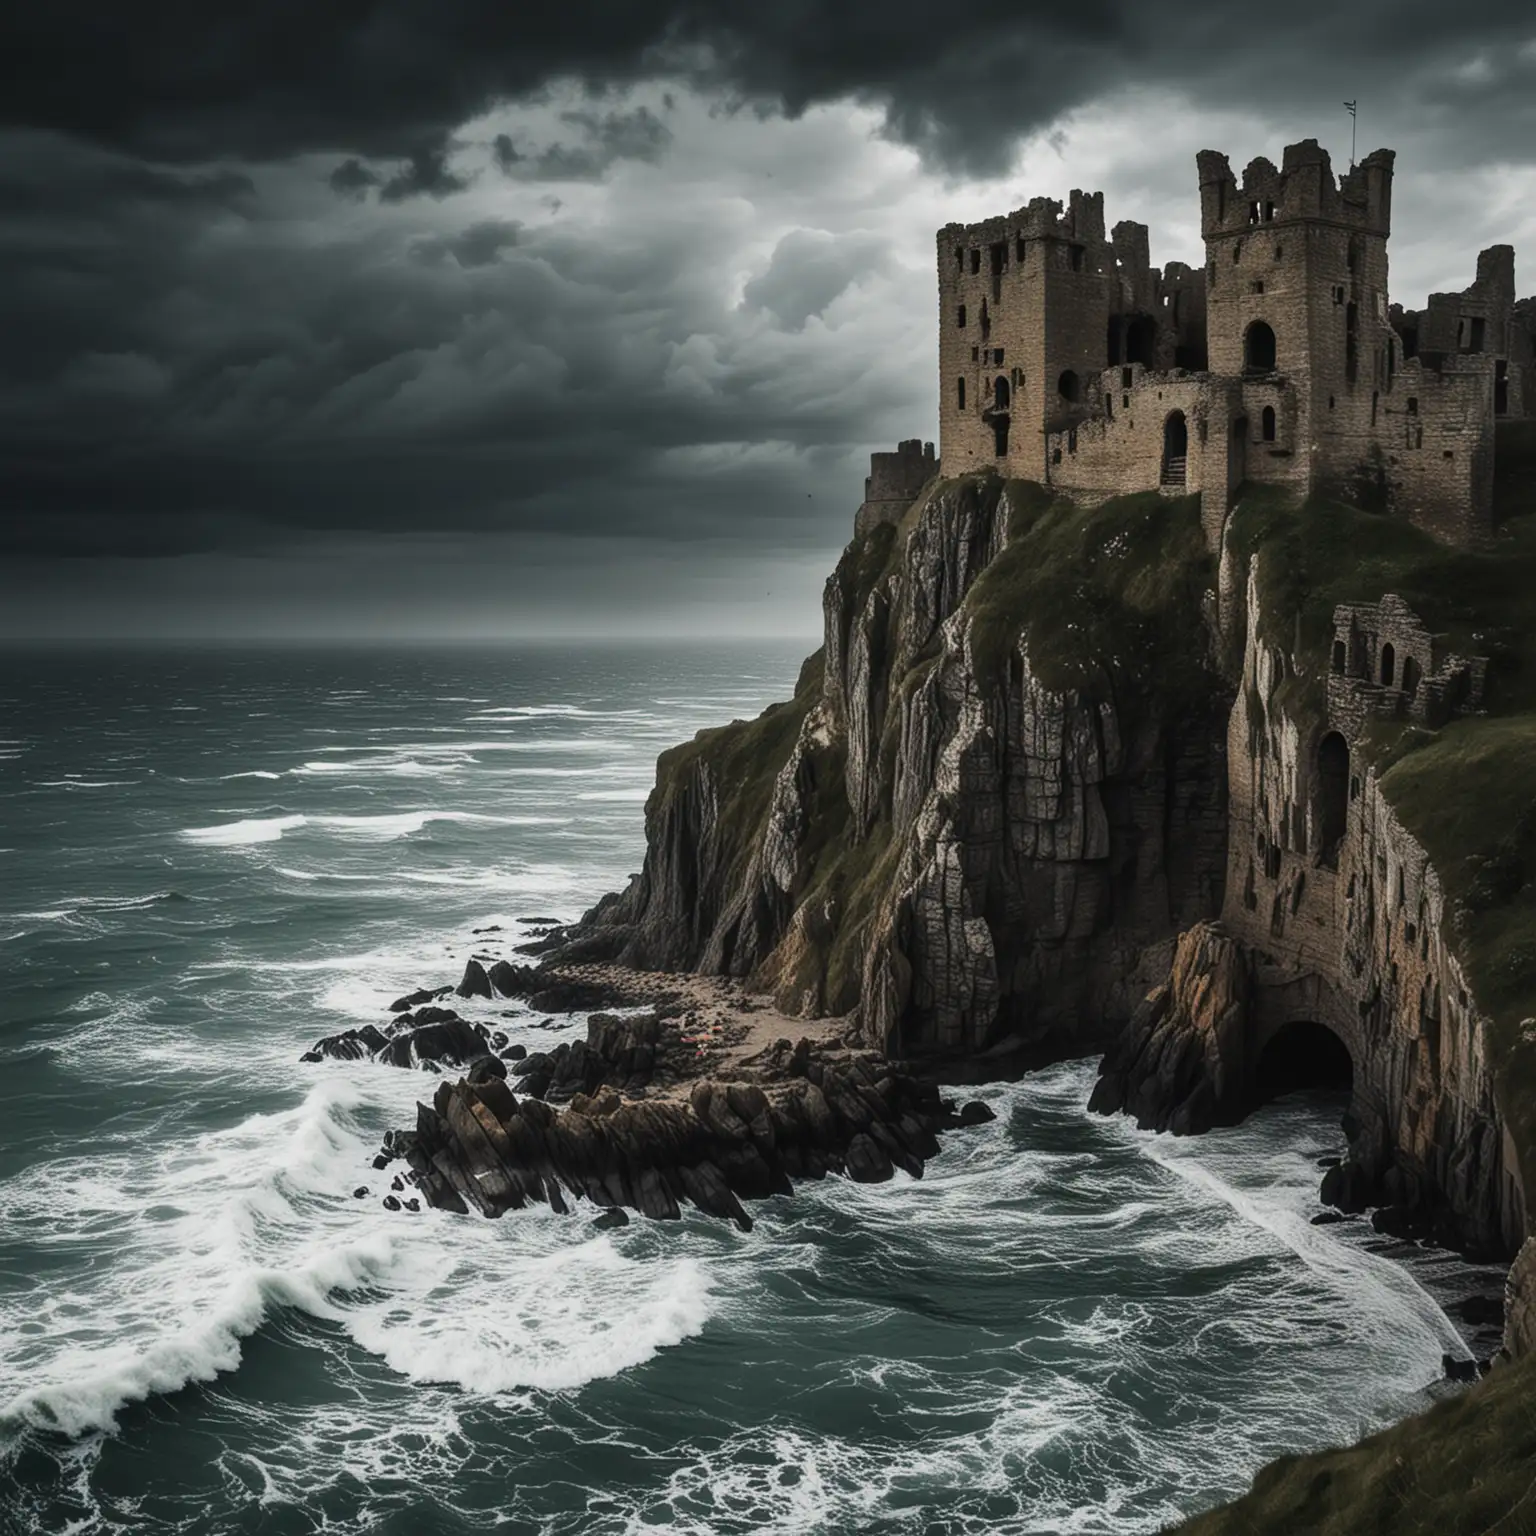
(1302, 188)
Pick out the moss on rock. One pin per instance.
(1467, 1466)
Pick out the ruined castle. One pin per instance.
(1067, 358)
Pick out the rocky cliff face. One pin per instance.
(1043, 741)
(995, 799)
(1335, 924)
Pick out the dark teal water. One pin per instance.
(207, 860)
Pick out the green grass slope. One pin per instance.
(1465, 1468)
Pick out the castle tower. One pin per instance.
(1296, 289)
(1024, 306)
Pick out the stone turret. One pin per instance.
(893, 483)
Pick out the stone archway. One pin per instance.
(1301, 1054)
(1175, 449)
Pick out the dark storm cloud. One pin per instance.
(187, 81)
(425, 174)
(261, 282)
(352, 178)
(171, 380)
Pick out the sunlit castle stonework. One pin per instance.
(1066, 357)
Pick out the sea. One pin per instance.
(210, 857)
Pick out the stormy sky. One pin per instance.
(443, 318)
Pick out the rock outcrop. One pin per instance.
(799, 1113)
(1180, 1064)
(428, 1038)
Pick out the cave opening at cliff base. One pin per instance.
(1302, 1055)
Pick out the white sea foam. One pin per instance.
(398, 768)
(241, 834)
(381, 828)
(205, 1234)
(252, 773)
(537, 1304)
(84, 783)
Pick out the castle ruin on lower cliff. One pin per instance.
(1066, 357)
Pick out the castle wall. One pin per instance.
(1437, 447)
(893, 483)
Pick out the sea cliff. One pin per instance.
(1245, 807)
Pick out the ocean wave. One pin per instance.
(545, 1307)
(384, 827)
(556, 712)
(83, 783)
(242, 834)
(251, 773)
(95, 906)
(202, 1248)
(399, 768)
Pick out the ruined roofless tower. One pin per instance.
(1296, 284)
(1024, 305)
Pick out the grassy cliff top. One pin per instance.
(1108, 598)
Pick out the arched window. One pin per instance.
(1412, 674)
(1175, 448)
(1068, 387)
(1388, 665)
(1000, 393)
(1268, 421)
(1332, 804)
(960, 393)
(1259, 349)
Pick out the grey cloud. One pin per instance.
(809, 269)
(603, 139)
(478, 246)
(425, 174)
(352, 179)
(504, 152)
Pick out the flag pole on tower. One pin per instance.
(1349, 106)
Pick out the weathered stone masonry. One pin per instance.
(1065, 357)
